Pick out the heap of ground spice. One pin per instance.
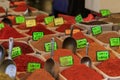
(22, 61)
(40, 74)
(111, 67)
(39, 28)
(47, 38)
(69, 19)
(12, 18)
(40, 18)
(93, 47)
(8, 31)
(23, 27)
(65, 26)
(25, 48)
(2, 10)
(80, 35)
(4, 76)
(105, 37)
(81, 72)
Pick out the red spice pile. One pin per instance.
(25, 48)
(23, 26)
(40, 18)
(2, 10)
(111, 67)
(8, 31)
(65, 26)
(23, 60)
(81, 72)
(39, 28)
(69, 19)
(80, 35)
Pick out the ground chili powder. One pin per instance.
(2, 10)
(111, 67)
(24, 47)
(8, 31)
(40, 18)
(81, 72)
(39, 27)
(22, 61)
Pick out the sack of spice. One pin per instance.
(40, 44)
(109, 68)
(81, 72)
(93, 48)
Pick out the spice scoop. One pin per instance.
(2, 54)
(86, 60)
(69, 42)
(50, 64)
(8, 66)
(28, 12)
(6, 20)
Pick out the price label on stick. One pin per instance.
(66, 61)
(33, 66)
(67, 31)
(19, 19)
(30, 23)
(105, 12)
(115, 41)
(81, 43)
(16, 51)
(96, 30)
(37, 35)
(58, 21)
(102, 55)
(2, 25)
(48, 19)
(79, 18)
(47, 46)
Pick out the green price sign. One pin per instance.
(115, 41)
(79, 18)
(2, 25)
(16, 51)
(19, 19)
(49, 19)
(96, 30)
(48, 46)
(37, 35)
(66, 61)
(102, 55)
(105, 12)
(81, 43)
(33, 66)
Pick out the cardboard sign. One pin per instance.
(58, 21)
(16, 51)
(30, 23)
(114, 41)
(102, 55)
(105, 12)
(66, 61)
(2, 25)
(81, 43)
(68, 31)
(37, 35)
(33, 66)
(19, 19)
(47, 46)
(48, 19)
(96, 30)
(79, 18)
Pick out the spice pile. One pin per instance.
(38, 28)
(4, 76)
(81, 72)
(25, 48)
(8, 31)
(47, 38)
(93, 47)
(23, 27)
(111, 67)
(2, 10)
(23, 60)
(80, 35)
(40, 74)
(105, 37)
(40, 18)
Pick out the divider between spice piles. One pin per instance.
(107, 77)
